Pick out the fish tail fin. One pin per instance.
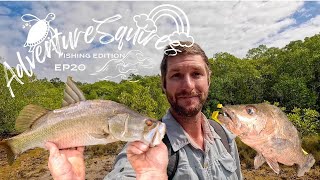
(10, 154)
(303, 168)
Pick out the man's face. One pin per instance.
(186, 84)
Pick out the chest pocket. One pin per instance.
(227, 163)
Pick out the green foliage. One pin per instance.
(33, 91)
(100, 90)
(257, 53)
(144, 95)
(138, 98)
(293, 92)
(305, 120)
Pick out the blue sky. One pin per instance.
(309, 10)
(224, 26)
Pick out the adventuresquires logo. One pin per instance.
(43, 40)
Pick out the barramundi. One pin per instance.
(266, 129)
(80, 122)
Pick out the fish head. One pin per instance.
(153, 134)
(249, 120)
(127, 127)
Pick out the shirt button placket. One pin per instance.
(205, 165)
(206, 162)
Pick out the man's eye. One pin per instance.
(197, 74)
(175, 75)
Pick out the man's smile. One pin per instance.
(188, 99)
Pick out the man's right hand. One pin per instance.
(148, 162)
(67, 163)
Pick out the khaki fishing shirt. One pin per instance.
(212, 163)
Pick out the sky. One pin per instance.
(94, 37)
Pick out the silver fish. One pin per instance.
(81, 122)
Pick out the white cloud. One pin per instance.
(307, 29)
(227, 26)
(236, 27)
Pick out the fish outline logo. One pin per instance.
(123, 67)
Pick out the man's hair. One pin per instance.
(181, 49)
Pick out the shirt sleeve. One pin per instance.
(122, 169)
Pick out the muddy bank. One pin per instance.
(33, 165)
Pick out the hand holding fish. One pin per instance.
(67, 163)
(148, 162)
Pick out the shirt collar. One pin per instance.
(177, 135)
(175, 132)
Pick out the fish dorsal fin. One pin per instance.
(72, 94)
(28, 115)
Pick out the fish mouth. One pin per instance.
(154, 136)
(227, 117)
(225, 114)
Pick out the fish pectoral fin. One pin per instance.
(106, 137)
(258, 160)
(72, 94)
(274, 165)
(99, 136)
(28, 117)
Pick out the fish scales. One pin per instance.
(69, 126)
(83, 108)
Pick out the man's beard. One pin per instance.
(183, 111)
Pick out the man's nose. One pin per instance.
(188, 82)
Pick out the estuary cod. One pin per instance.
(267, 129)
(81, 122)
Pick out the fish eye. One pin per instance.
(250, 110)
(149, 122)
